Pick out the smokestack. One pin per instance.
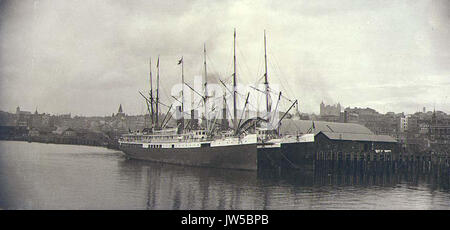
(194, 119)
(180, 120)
(224, 118)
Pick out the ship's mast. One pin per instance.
(205, 98)
(234, 83)
(157, 94)
(224, 111)
(182, 84)
(266, 82)
(151, 94)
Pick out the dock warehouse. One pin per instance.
(333, 140)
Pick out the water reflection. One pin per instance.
(40, 176)
(180, 187)
(388, 178)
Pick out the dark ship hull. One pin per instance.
(243, 157)
(296, 155)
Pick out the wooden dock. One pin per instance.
(372, 161)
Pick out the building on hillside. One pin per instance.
(23, 118)
(20, 112)
(330, 109)
(330, 113)
(440, 131)
(69, 133)
(382, 124)
(34, 132)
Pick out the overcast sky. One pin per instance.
(87, 57)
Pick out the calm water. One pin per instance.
(48, 176)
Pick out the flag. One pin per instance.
(157, 64)
(180, 61)
(313, 126)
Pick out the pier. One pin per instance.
(346, 148)
(373, 162)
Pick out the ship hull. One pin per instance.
(242, 157)
(297, 155)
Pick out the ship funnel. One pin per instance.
(225, 124)
(194, 119)
(180, 120)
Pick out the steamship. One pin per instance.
(186, 145)
(195, 148)
(242, 147)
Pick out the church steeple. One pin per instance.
(120, 112)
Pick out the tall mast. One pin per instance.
(151, 94)
(224, 111)
(157, 94)
(266, 83)
(182, 85)
(206, 89)
(234, 83)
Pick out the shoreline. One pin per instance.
(65, 141)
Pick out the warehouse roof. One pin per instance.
(333, 130)
(306, 126)
(359, 137)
